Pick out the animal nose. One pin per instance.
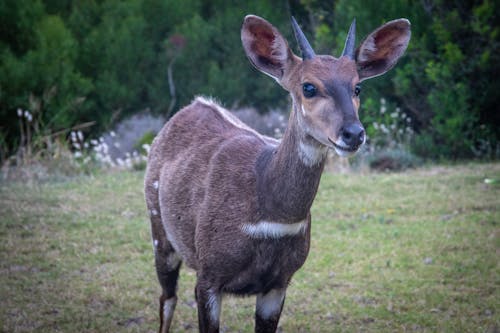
(353, 135)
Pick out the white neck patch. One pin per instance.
(311, 155)
(266, 229)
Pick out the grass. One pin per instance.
(408, 252)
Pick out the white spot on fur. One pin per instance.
(311, 155)
(173, 260)
(213, 305)
(168, 309)
(155, 185)
(269, 305)
(155, 246)
(154, 212)
(303, 110)
(265, 229)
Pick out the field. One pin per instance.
(408, 252)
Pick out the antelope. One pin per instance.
(234, 205)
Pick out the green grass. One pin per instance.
(410, 252)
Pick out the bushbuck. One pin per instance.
(234, 205)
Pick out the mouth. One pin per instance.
(344, 151)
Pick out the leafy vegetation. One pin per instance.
(74, 62)
(413, 252)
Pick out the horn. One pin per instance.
(350, 42)
(305, 47)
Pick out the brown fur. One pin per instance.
(210, 179)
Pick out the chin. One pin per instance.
(344, 152)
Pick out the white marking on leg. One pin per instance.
(155, 246)
(168, 310)
(173, 260)
(269, 305)
(266, 229)
(154, 212)
(156, 185)
(213, 306)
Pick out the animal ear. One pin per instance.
(265, 47)
(381, 50)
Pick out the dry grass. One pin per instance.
(416, 251)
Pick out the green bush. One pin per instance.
(73, 62)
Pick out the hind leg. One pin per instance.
(168, 264)
(167, 261)
(167, 268)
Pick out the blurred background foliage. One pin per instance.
(73, 62)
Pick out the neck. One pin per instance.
(288, 175)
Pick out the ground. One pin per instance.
(406, 252)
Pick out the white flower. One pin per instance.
(19, 112)
(94, 142)
(146, 147)
(77, 154)
(112, 133)
(80, 135)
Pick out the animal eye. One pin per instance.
(357, 90)
(309, 90)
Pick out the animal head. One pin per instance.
(325, 89)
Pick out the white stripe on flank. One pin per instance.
(265, 229)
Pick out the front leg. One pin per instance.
(268, 310)
(209, 305)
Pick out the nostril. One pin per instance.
(346, 136)
(361, 136)
(353, 135)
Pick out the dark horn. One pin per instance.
(350, 42)
(305, 47)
